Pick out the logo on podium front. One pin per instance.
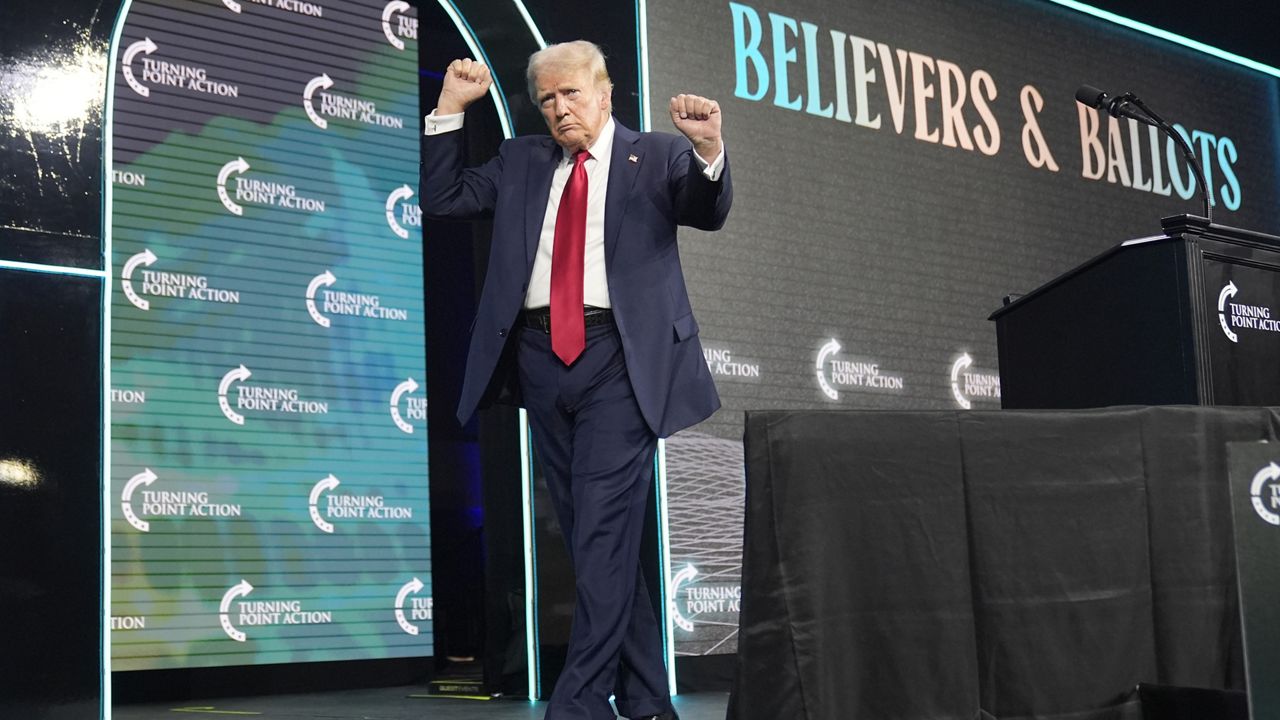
(1265, 490)
(1234, 315)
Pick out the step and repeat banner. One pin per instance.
(898, 168)
(269, 453)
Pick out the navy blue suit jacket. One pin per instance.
(647, 198)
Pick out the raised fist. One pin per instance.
(698, 119)
(465, 81)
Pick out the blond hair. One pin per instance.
(573, 55)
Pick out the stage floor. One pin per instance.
(382, 704)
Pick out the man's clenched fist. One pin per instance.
(465, 81)
(698, 119)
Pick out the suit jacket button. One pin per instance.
(502, 332)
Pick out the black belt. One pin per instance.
(540, 318)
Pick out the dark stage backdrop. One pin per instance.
(898, 168)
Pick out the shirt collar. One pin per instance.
(603, 145)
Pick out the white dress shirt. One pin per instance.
(595, 281)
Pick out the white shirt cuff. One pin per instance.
(712, 169)
(436, 124)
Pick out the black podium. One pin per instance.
(1188, 317)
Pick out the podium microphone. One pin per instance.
(1129, 106)
(1120, 106)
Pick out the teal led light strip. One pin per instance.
(642, 50)
(530, 559)
(528, 21)
(526, 478)
(108, 198)
(666, 617)
(1166, 35)
(52, 269)
(495, 90)
(665, 620)
(526, 474)
(534, 665)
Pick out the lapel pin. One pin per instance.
(633, 158)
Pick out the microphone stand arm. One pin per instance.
(1187, 152)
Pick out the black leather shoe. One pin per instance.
(664, 716)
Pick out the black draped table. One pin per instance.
(1014, 564)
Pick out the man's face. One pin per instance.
(574, 108)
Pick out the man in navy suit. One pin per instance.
(584, 290)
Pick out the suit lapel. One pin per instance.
(624, 166)
(542, 167)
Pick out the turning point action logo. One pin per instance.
(160, 72)
(350, 507)
(129, 178)
(723, 363)
(167, 503)
(688, 573)
(688, 600)
(1241, 316)
(850, 373)
(970, 385)
(261, 192)
(257, 613)
(146, 477)
(325, 279)
(416, 410)
(336, 302)
(128, 396)
(405, 26)
(294, 6)
(410, 213)
(1266, 493)
(420, 609)
(262, 399)
(342, 107)
(166, 284)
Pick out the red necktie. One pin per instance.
(568, 334)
